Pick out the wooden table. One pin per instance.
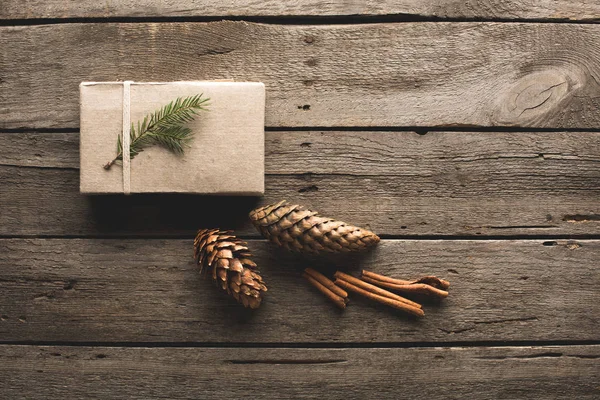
(466, 134)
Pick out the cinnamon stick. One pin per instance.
(323, 280)
(434, 281)
(381, 299)
(420, 288)
(428, 280)
(374, 289)
(337, 300)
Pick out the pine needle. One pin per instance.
(164, 127)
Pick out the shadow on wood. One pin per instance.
(163, 214)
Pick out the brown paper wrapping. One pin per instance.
(226, 154)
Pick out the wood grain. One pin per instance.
(396, 183)
(411, 74)
(573, 10)
(110, 290)
(540, 372)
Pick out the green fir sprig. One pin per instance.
(164, 127)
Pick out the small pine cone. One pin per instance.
(299, 229)
(227, 259)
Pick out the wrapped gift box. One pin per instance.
(225, 155)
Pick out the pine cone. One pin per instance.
(227, 259)
(298, 229)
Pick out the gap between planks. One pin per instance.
(419, 130)
(293, 20)
(550, 240)
(315, 345)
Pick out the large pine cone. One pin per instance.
(299, 229)
(227, 259)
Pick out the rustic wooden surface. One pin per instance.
(393, 74)
(465, 133)
(267, 373)
(149, 290)
(583, 10)
(441, 183)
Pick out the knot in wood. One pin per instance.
(532, 98)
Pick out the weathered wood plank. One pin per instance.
(411, 74)
(576, 10)
(398, 183)
(149, 290)
(548, 372)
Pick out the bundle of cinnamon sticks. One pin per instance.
(375, 287)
